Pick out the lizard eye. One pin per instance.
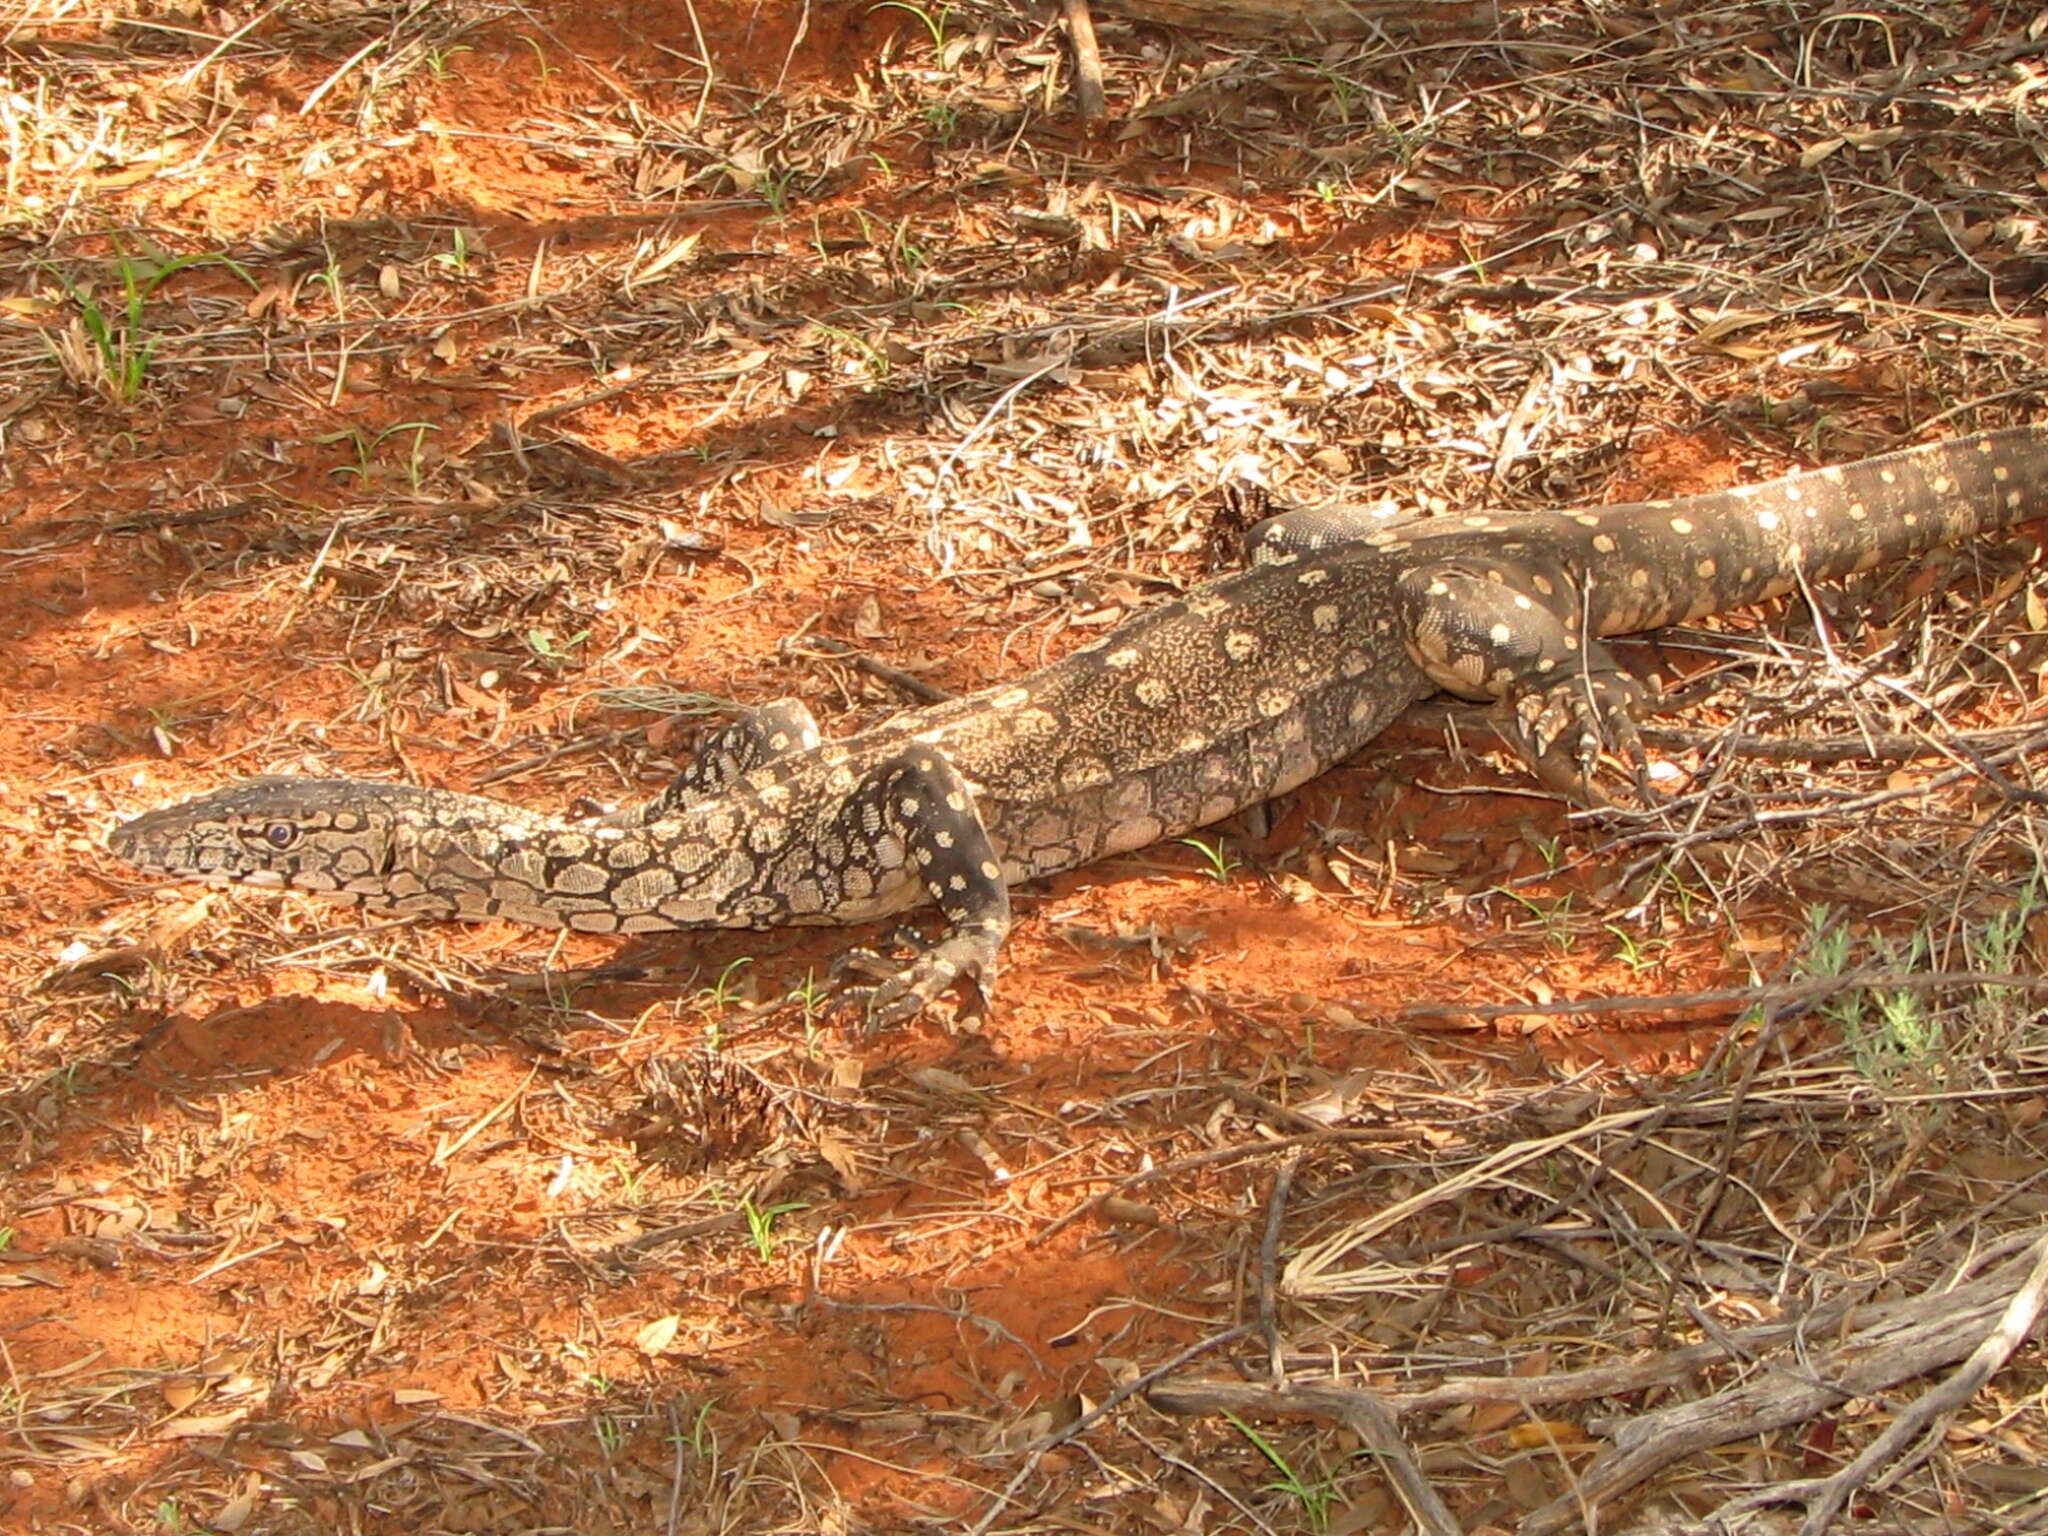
(280, 834)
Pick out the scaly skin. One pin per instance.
(1238, 691)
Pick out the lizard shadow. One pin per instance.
(281, 1037)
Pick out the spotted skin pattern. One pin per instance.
(1238, 691)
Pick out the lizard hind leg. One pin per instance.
(916, 807)
(1510, 632)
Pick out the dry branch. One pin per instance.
(1089, 97)
(1986, 1319)
(1937, 1329)
(1824, 1497)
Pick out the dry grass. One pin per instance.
(454, 391)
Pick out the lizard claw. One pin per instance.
(901, 992)
(1564, 730)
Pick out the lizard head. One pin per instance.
(275, 832)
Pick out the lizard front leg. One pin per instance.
(1510, 631)
(916, 807)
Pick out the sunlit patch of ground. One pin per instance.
(544, 378)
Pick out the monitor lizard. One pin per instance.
(1239, 690)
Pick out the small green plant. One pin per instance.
(1343, 89)
(774, 189)
(441, 61)
(336, 282)
(875, 358)
(1553, 917)
(761, 1224)
(934, 21)
(556, 653)
(170, 1518)
(722, 994)
(811, 997)
(415, 458)
(357, 439)
(540, 57)
(1996, 947)
(366, 445)
(118, 348)
(1315, 1498)
(1889, 1032)
(701, 1441)
(943, 118)
(1633, 950)
(1216, 856)
(910, 257)
(456, 257)
(611, 1436)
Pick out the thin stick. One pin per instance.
(1269, 1263)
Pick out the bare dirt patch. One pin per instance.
(542, 380)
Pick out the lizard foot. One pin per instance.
(899, 992)
(1564, 730)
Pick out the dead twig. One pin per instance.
(1269, 1262)
(1089, 97)
(1938, 1328)
(1825, 1496)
